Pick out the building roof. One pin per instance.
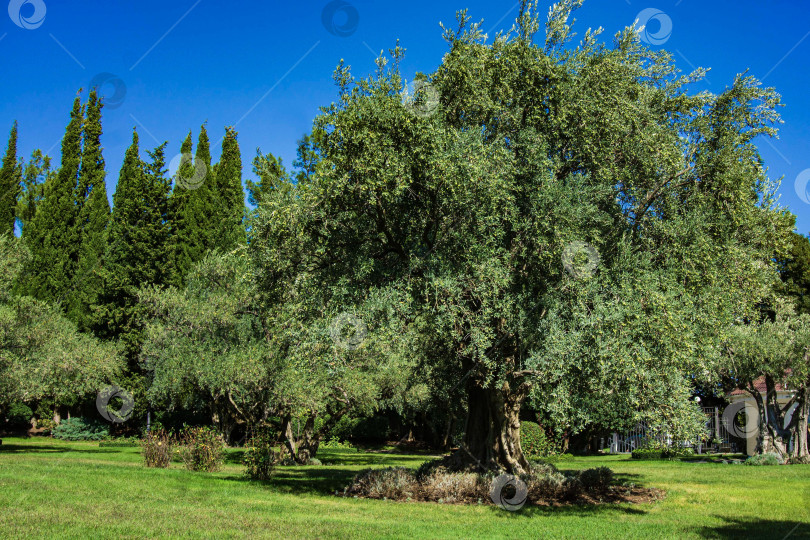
(759, 385)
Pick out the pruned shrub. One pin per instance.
(156, 449)
(80, 429)
(764, 459)
(597, 479)
(260, 457)
(390, 483)
(202, 449)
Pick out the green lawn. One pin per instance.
(78, 490)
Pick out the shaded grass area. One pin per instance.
(51, 488)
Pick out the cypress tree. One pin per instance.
(138, 245)
(53, 242)
(228, 227)
(36, 172)
(202, 207)
(93, 210)
(10, 176)
(198, 210)
(178, 202)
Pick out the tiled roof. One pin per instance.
(759, 385)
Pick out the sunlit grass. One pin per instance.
(78, 490)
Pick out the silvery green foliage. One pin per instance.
(461, 219)
(42, 355)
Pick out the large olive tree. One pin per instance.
(42, 355)
(567, 225)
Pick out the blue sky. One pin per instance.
(266, 66)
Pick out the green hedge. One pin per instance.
(662, 453)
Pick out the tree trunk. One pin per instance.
(492, 435)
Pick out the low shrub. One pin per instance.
(202, 449)
(798, 460)
(764, 459)
(156, 449)
(545, 484)
(80, 429)
(598, 479)
(433, 481)
(390, 483)
(260, 457)
(442, 486)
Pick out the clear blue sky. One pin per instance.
(266, 66)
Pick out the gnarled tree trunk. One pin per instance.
(492, 434)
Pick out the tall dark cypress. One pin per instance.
(36, 172)
(201, 208)
(138, 245)
(93, 210)
(53, 242)
(178, 202)
(228, 227)
(10, 177)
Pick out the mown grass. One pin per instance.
(51, 488)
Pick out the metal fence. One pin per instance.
(716, 424)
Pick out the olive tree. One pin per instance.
(565, 225)
(42, 355)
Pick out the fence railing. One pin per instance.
(716, 424)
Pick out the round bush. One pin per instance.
(80, 429)
(764, 459)
(533, 440)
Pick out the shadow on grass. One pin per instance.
(304, 479)
(756, 528)
(42, 448)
